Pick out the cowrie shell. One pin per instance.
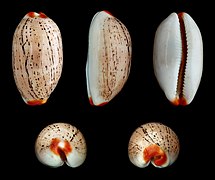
(109, 58)
(60, 143)
(153, 142)
(178, 58)
(37, 57)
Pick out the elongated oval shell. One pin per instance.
(109, 58)
(37, 57)
(153, 142)
(178, 58)
(61, 142)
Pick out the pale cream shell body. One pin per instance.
(37, 57)
(157, 134)
(109, 58)
(60, 143)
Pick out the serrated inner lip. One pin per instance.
(181, 74)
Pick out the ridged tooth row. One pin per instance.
(178, 58)
(109, 58)
(61, 143)
(37, 60)
(153, 142)
(37, 57)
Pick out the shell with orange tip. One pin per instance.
(60, 143)
(37, 57)
(178, 58)
(109, 58)
(153, 142)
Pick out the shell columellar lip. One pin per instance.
(153, 142)
(109, 58)
(178, 58)
(61, 142)
(37, 57)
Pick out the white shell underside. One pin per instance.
(167, 57)
(67, 136)
(109, 56)
(153, 133)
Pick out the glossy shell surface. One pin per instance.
(60, 143)
(109, 58)
(153, 142)
(178, 58)
(37, 57)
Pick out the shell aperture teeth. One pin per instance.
(61, 143)
(153, 142)
(108, 59)
(178, 58)
(180, 84)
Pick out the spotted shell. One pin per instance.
(61, 142)
(109, 58)
(153, 142)
(37, 57)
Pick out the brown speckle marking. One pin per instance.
(153, 135)
(60, 139)
(37, 57)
